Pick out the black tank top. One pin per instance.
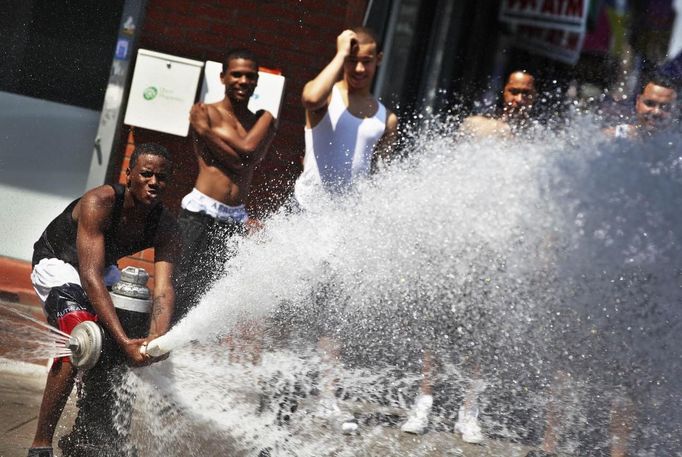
(59, 238)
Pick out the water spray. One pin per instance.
(88, 339)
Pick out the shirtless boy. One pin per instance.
(229, 141)
(518, 98)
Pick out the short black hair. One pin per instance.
(519, 70)
(239, 53)
(361, 30)
(657, 79)
(153, 149)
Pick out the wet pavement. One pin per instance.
(22, 383)
(21, 386)
(21, 389)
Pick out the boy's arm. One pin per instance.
(222, 154)
(316, 92)
(167, 248)
(94, 214)
(384, 149)
(227, 141)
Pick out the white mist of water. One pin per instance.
(525, 257)
(27, 338)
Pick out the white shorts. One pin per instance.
(49, 273)
(198, 202)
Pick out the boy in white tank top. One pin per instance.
(347, 130)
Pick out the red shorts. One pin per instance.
(67, 306)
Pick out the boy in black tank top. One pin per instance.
(71, 261)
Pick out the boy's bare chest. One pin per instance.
(225, 122)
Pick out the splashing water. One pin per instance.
(27, 338)
(547, 267)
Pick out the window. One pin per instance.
(59, 50)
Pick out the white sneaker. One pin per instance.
(330, 410)
(349, 427)
(418, 418)
(467, 424)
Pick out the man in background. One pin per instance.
(518, 98)
(347, 133)
(655, 110)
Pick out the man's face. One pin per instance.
(240, 79)
(519, 93)
(147, 179)
(360, 67)
(655, 106)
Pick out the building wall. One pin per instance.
(296, 37)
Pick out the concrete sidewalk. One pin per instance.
(21, 385)
(21, 390)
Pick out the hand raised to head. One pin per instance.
(346, 43)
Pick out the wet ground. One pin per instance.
(22, 383)
(21, 386)
(21, 389)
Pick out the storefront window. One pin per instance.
(59, 51)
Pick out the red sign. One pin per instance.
(557, 14)
(562, 45)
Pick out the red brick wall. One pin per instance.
(296, 37)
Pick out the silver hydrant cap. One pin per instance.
(135, 275)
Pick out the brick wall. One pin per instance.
(296, 37)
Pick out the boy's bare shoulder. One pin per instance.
(483, 126)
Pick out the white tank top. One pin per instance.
(338, 150)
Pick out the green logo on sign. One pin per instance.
(150, 93)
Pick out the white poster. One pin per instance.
(268, 94)
(163, 90)
(568, 15)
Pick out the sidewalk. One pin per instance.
(22, 383)
(21, 388)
